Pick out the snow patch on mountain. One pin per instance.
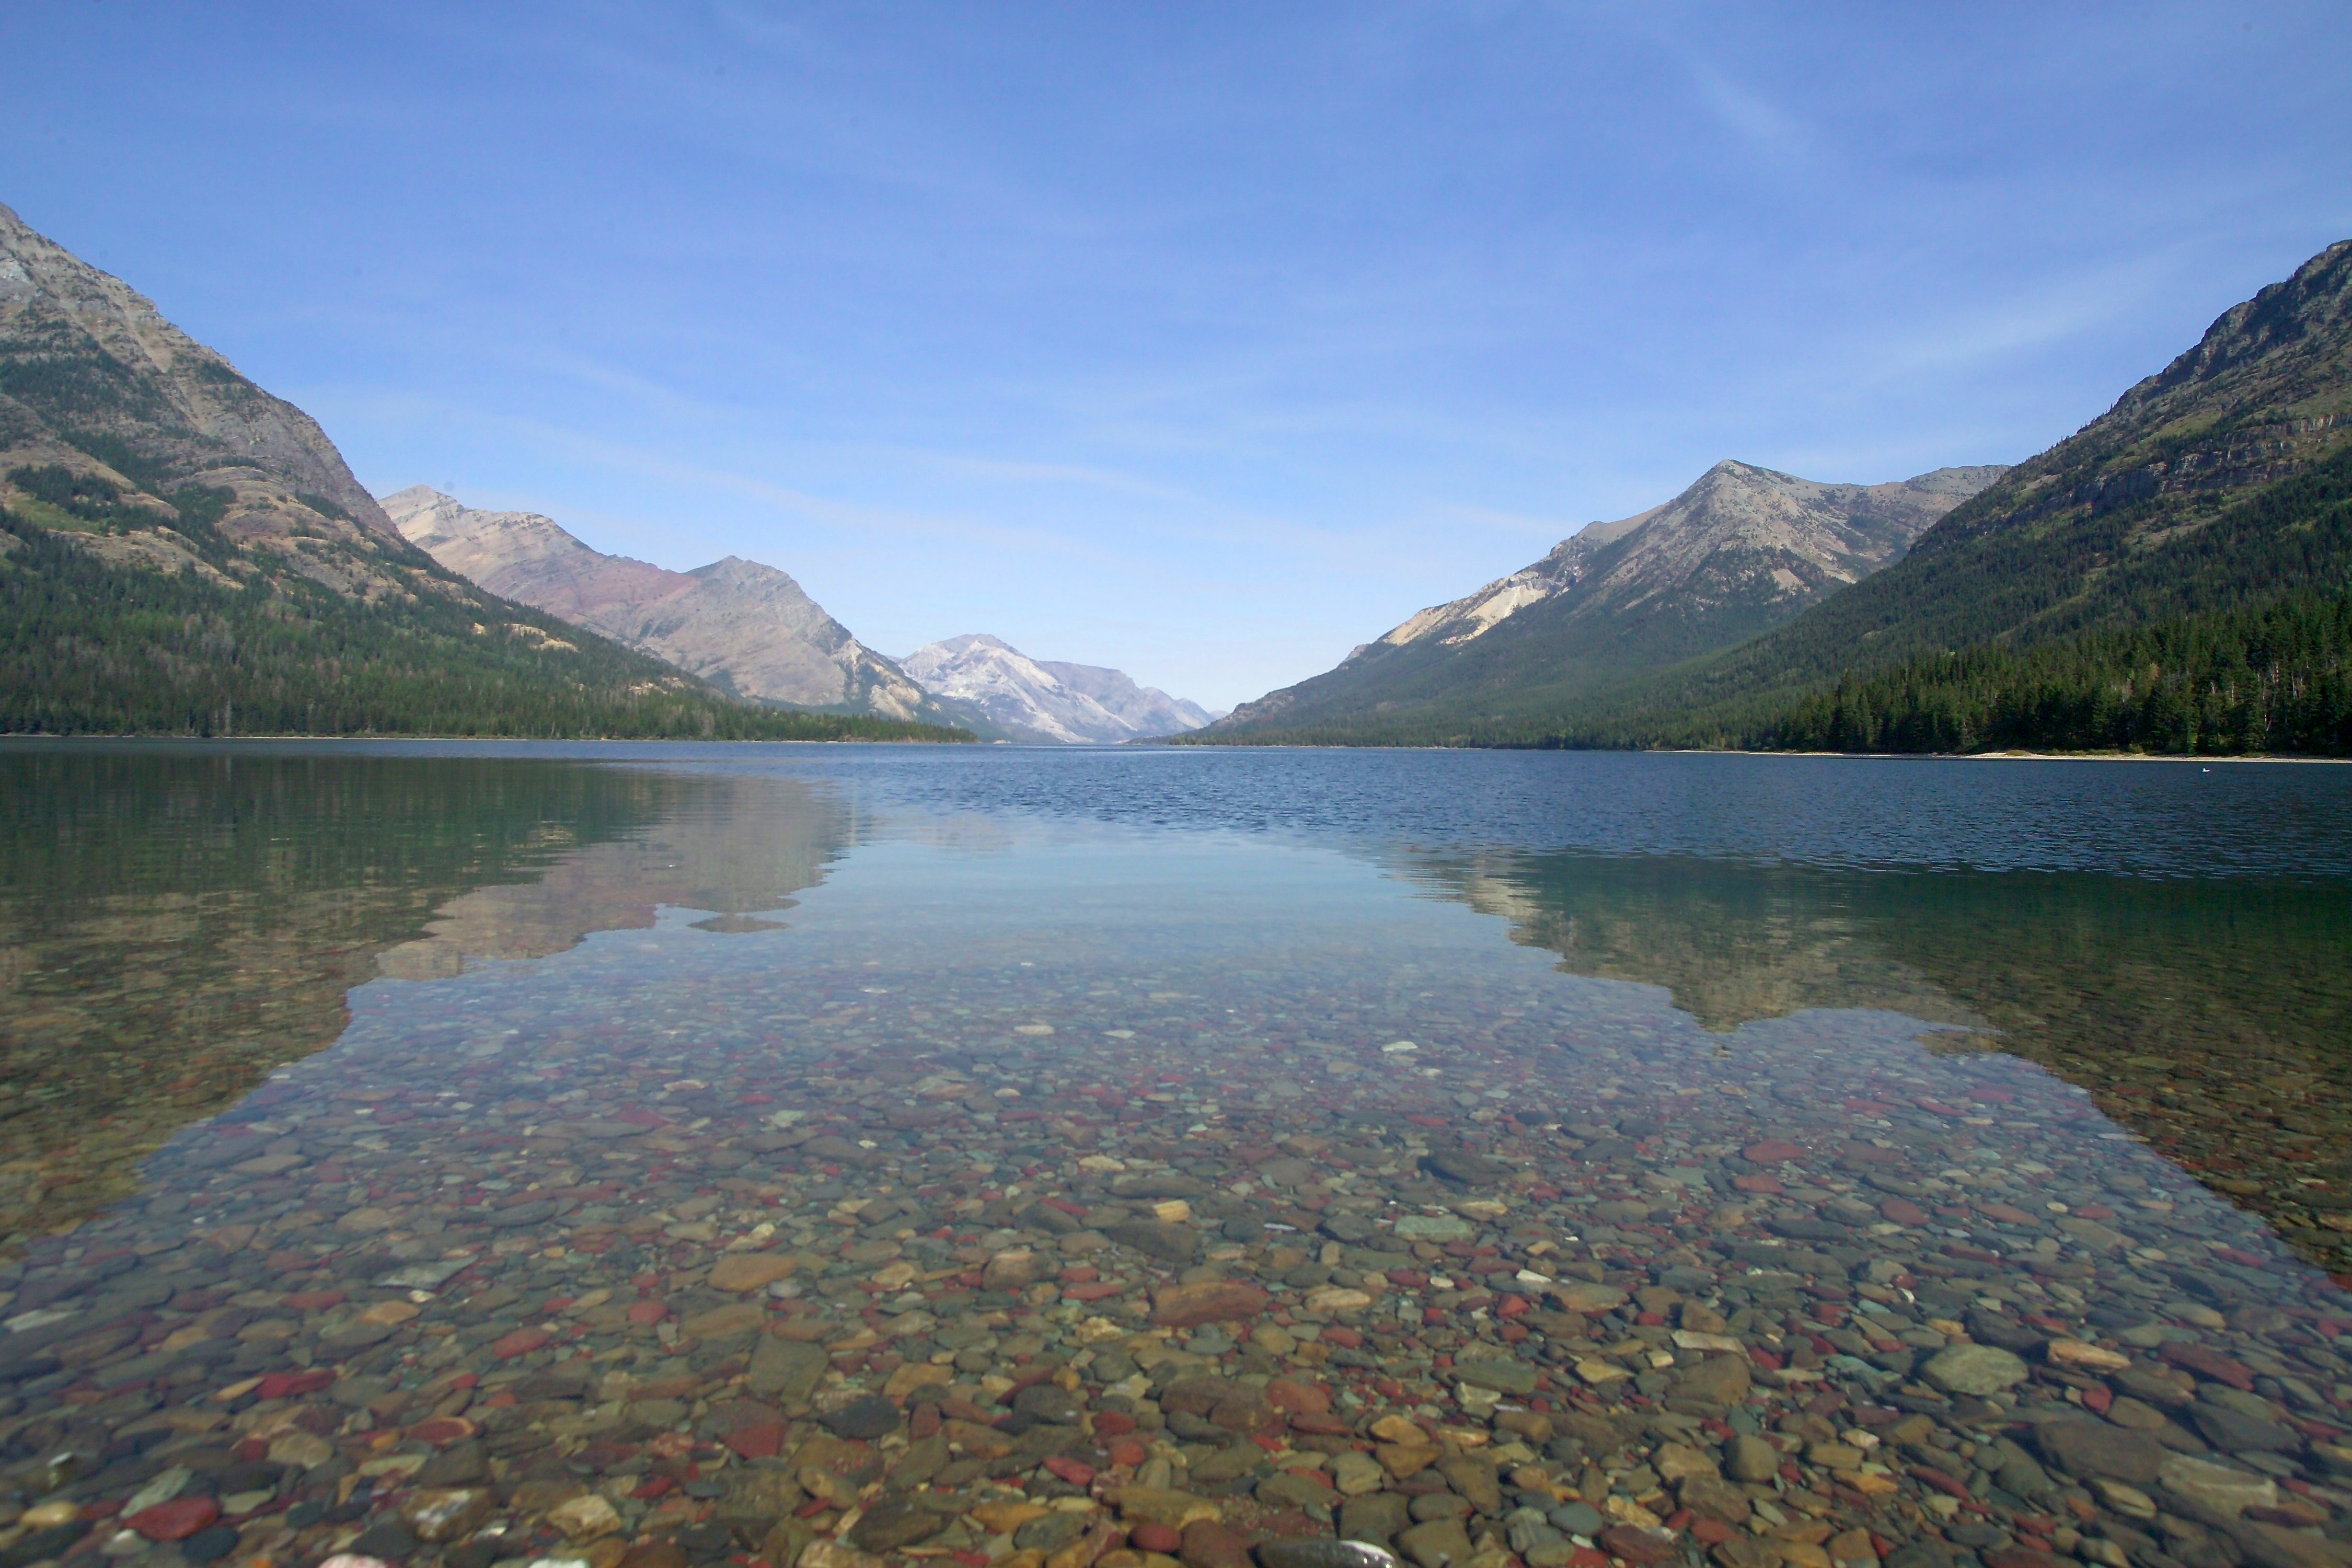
(1038, 699)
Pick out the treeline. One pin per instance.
(2274, 679)
(88, 648)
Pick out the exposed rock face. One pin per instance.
(1741, 530)
(741, 625)
(1152, 711)
(1741, 550)
(1030, 700)
(93, 380)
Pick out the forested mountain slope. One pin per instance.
(1741, 550)
(181, 552)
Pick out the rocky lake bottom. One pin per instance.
(676, 1170)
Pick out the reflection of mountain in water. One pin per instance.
(2212, 1017)
(1758, 944)
(730, 845)
(176, 921)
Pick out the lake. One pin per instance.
(1073, 1159)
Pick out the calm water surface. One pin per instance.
(485, 1153)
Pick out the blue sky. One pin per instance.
(1205, 341)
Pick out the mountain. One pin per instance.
(2173, 577)
(1031, 699)
(181, 552)
(744, 627)
(1742, 549)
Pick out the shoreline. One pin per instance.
(2262, 757)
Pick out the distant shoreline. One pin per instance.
(2032, 756)
(1731, 752)
(22, 737)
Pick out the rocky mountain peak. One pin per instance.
(1034, 699)
(745, 626)
(95, 381)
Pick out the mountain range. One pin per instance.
(2173, 577)
(181, 552)
(1741, 550)
(744, 627)
(1037, 699)
(751, 630)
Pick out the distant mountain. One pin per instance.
(1032, 700)
(181, 552)
(744, 627)
(1743, 549)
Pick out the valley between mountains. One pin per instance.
(182, 553)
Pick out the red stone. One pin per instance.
(2204, 1363)
(1347, 1339)
(314, 1301)
(1114, 1424)
(648, 1313)
(1514, 1307)
(1644, 1548)
(1092, 1292)
(442, 1430)
(1713, 1531)
(1773, 1151)
(2098, 1401)
(1950, 1486)
(288, 1384)
(1129, 1453)
(1769, 1186)
(763, 1440)
(1161, 1538)
(175, 1521)
(2007, 1214)
(1077, 1472)
(1902, 1211)
(1324, 1426)
(1300, 1398)
(2094, 1211)
(523, 1342)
